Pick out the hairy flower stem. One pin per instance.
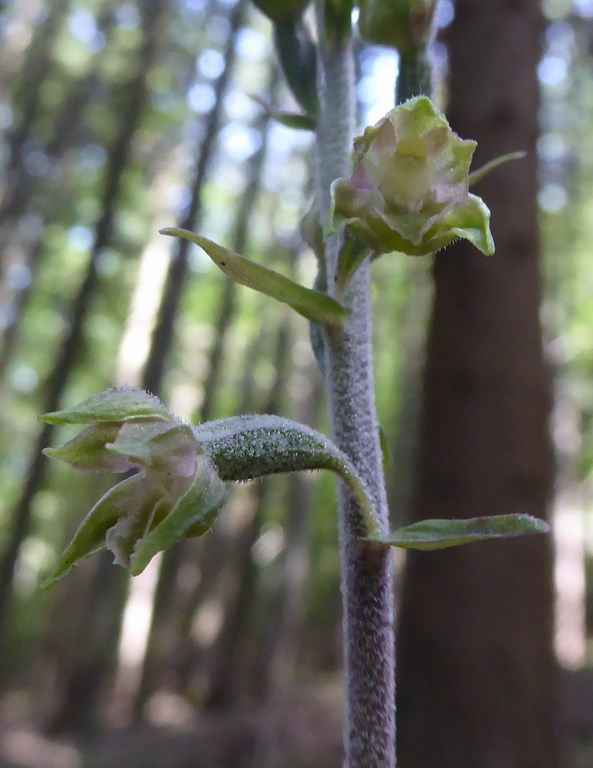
(367, 587)
(415, 75)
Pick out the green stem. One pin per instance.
(367, 586)
(415, 75)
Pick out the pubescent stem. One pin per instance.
(366, 572)
(415, 75)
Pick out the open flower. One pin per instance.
(170, 489)
(409, 187)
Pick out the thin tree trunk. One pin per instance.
(476, 667)
(36, 69)
(84, 671)
(67, 353)
(164, 329)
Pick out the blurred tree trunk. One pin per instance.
(226, 650)
(66, 356)
(85, 668)
(27, 98)
(21, 189)
(476, 666)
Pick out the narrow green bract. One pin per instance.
(313, 305)
(441, 534)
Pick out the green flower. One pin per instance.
(409, 188)
(171, 489)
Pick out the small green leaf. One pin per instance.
(313, 305)
(480, 173)
(114, 404)
(247, 447)
(440, 534)
(193, 515)
(352, 255)
(299, 121)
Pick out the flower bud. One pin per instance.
(402, 24)
(174, 491)
(409, 188)
(279, 10)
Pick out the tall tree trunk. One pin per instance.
(223, 678)
(84, 670)
(476, 667)
(67, 353)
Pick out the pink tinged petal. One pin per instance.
(158, 446)
(192, 515)
(87, 452)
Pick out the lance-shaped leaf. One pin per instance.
(296, 120)
(441, 534)
(313, 305)
(487, 168)
(115, 404)
(246, 447)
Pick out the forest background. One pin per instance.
(119, 118)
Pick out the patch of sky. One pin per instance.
(444, 13)
(238, 106)
(193, 6)
(30, 226)
(218, 28)
(24, 378)
(552, 148)
(239, 141)
(180, 197)
(18, 276)
(377, 85)
(108, 262)
(83, 27)
(6, 117)
(92, 157)
(560, 36)
(164, 100)
(252, 45)
(79, 238)
(584, 8)
(36, 161)
(552, 71)
(210, 63)
(6, 315)
(127, 15)
(552, 198)
(201, 98)
(283, 141)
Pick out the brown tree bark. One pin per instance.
(476, 667)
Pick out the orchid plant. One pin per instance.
(403, 189)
